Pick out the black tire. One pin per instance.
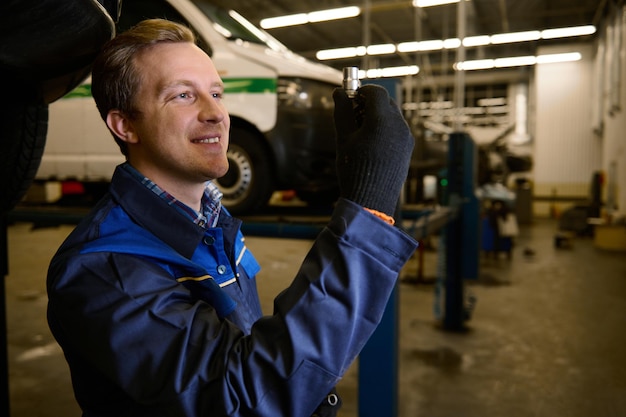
(248, 184)
(23, 129)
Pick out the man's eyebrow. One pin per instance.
(185, 83)
(175, 84)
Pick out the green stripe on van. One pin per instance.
(82, 91)
(231, 85)
(249, 85)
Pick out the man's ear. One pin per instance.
(121, 126)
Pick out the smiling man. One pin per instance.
(178, 136)
(153, 296)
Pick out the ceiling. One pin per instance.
(395, 21)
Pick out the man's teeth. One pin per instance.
(207, 140)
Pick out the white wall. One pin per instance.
(566, 150)
(610, 106)
(580, 119)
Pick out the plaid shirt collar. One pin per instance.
(211, 200)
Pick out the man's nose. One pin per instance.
(211, 110)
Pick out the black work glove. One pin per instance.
(374, 147)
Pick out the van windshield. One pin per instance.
(234, 26)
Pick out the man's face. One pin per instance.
(182, 130)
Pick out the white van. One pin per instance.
(280, 105)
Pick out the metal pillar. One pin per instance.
(378, 361)
(459, 76)
(4, 360)
(462, 233)
(378, 366)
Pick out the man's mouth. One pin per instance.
(215, 139)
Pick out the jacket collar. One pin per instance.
(154, 214)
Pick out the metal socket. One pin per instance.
(351, 81)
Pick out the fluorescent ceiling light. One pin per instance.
(334, 14)
(477, 40)
(400, 71)
(438, 44)
(408, 46)
(387, 48)
(517, 61)
(282, 21)
(567, 32)
(429, 3)
(452, 43)
(312, 17)
(390, 72)
(554, 58)
(433, 45)
(340, 53)
(531, 35)
(476, 64)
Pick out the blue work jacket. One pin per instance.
(158, 316)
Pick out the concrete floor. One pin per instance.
(547, 337)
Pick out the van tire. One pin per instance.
(23, 129)
(248, 184)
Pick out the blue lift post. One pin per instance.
(378, 361)
(461, 234)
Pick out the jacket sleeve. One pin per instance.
(139, 329)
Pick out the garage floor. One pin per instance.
(547, 336)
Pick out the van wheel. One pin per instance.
(23, 129)
(248, 183)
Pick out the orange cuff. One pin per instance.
(382, 216)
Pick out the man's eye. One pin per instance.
(183, 95)
(218, 95)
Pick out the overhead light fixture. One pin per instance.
(312, 17)
(429, 3)
(568, 32)
(554, 58)
(477, 64)
(408, 46)
(382, 49)
(334, 14)
(340, 53)
(452, 43)
(401, 71)
(432, 45)
(517, 61)
(480, 40)
(512, 37)
(282, 21)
